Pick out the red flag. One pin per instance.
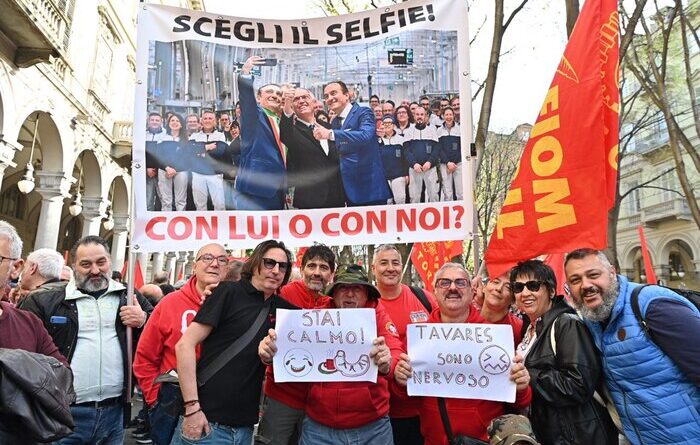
(124, 269)
(138, 281)
(299, 256)
(561, 193)
(429, 257)
(181, 275)
(556, 262)
(648, 266)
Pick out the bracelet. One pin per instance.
(190, 402)
(192, 413)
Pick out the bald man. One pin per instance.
(155, 353)
(152, 292)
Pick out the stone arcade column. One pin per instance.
(119, 239)
(50, 187)
(189, 263)
(157, 264)
(7, 154)
(170, 260)
(180, 266)
(92, 217)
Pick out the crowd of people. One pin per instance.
(585, 370)
(285, 149)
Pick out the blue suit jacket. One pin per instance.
(261, 171)
(360, 161)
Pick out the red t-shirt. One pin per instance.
(405, 309)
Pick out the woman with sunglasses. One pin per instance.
(565, 370)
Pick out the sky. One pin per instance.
(531, 50)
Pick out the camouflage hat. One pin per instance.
(511, 429)
(353, 274)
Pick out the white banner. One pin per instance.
(325, 345)
(188, 190)
(461, 360)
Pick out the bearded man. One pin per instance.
(87, 318)
(651, 368)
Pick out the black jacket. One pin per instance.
(563, 410)
(314, 175)
(35, 396)
(49, 303)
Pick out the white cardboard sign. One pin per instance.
(461, 360)
(325, 345)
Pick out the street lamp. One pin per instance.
(26, 184)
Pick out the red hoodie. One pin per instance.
(293, 394)
(343, 405)
(155, 353)
(468, 417)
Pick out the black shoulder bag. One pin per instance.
(451, 439)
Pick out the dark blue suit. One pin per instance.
(261, 182)
(361, 165)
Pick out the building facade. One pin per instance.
(649, 174)
(67, 73)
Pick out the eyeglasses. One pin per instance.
(208, 258)
(445, 283)
(269, 263)
(532, 286)
(3, 258)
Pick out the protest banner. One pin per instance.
(461, 360)
(190, 184)
(325, 345)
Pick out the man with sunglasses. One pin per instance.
(468, 417)
(225, 408)
(261, 183)
(155, 353)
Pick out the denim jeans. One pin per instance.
(96, 426)
(162, 423)
(375, 433)
(218, 435)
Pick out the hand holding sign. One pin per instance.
(381, 355)
(268, 347)
(519, 373)
(403, 370)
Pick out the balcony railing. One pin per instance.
(123, 132)
(38, 29)
(676, 208)
(651, 141)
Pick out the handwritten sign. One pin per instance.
(325, 345)
(461, 360)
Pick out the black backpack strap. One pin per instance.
(445, 419)
(634, 301)
(420, 294)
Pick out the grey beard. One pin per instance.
(602, 312)
(87, 284)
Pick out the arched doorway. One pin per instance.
(35, 210)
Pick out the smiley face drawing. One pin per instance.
(298, 362)
(494, 360)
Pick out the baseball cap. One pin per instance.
(353, 274)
